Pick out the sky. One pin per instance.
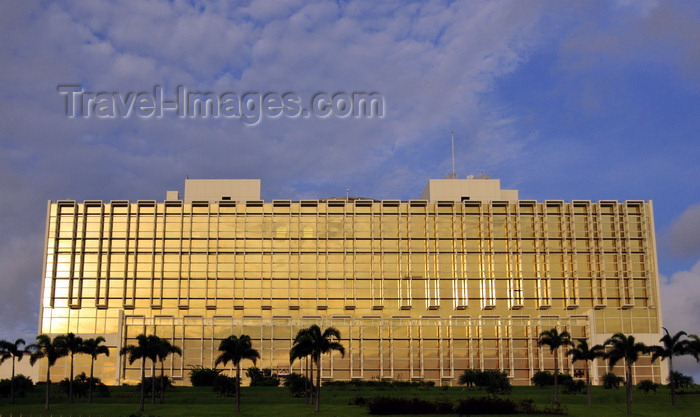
(594, 100)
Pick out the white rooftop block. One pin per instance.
(475, 189)
(218, 190)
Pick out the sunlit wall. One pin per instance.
(419, 290)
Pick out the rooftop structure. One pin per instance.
(474, 189)
(219, 190)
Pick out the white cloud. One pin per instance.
(640, 33)
(432, 61)
(429, 60)
(683, 238)
(680, 302)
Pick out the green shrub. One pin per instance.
(296, 384)
(379, 383)
(565, 379)
(262, 378)
(574, 386)
(405, 384)
(647, 385)
(358, 401)
(203, 377)
(470, 406)
(140, 415)
(81, 385)
(610, 380)
(542, 379)
(486, 405)
(149, 383)
(553, 409)
(468, 378)
(546, 379)
(224, 386)
(681, 381)
(23, 385)
(388, 405)
(494, 382)
(527, 406)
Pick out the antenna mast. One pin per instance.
(454, 174)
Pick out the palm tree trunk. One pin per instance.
(305, 371)
(70, 383)
(143, 383)
(556, 379)
(162, 381)
(631, 385)
(12, 383)
(48, 385)
(671, 381)
(307, 383)
(153, 382)
(318, 385)
(628, 388)
(238, 387)
(92, 367)
(588, 384)
(312, 393)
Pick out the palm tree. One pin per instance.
(73, 344)
(94, 348)
(694, 346)
(555, 340)
(672, 346)
(147, 348)
(12, 350)
(321, 343)
(582, 352)
(235, 349)
(154, 342)
(625, 347)
(302, 349)
(164, 350)
(52, 350)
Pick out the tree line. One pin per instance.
(311, 343)
(52, 350)
(620, 347)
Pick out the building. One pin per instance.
(465, 277)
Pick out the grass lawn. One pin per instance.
(335, 401)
